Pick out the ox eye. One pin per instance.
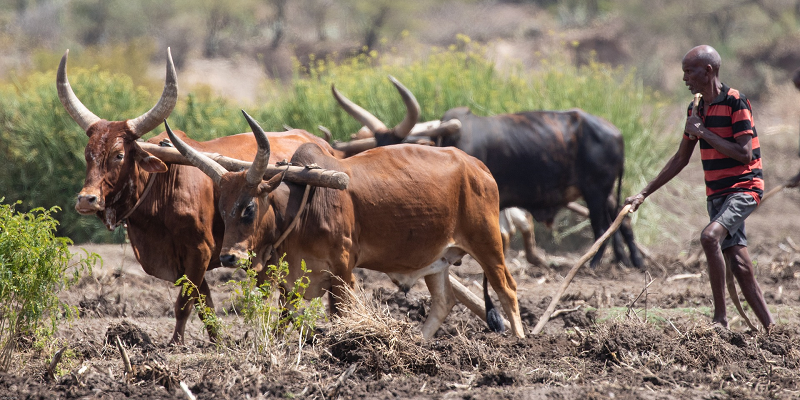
(248, 214)
(120, 156)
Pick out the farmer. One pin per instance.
(729, 150)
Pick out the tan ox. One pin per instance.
(409, 211)
(170, 212)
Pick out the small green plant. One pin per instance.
(35, 266)
(211, 321)
(274, 320)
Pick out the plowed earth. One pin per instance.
(621, 334)
(604, 345)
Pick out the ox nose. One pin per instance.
(87, 204)
(228, 260)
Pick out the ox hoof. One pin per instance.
(495, 321)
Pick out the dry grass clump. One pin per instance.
(365, 333)
(625, 342)
(709, 346)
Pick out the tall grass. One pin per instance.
(44, 147)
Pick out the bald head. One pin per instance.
(704, 55)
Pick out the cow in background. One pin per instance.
(541, 160)
(169, 210)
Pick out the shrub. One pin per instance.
(34, 266)
(273, 321)
(270, 313)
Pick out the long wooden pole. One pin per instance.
(316, 177)
(572, 272)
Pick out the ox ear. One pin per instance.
(265, 188)
(148, 162)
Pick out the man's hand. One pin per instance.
(635, 201)
(694, 125)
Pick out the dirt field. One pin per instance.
(617, 338)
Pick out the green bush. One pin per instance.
(34, 266)
(270, 314)
(273, 322)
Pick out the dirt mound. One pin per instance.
(130, 335)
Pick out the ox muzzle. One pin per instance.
(89, 203)
(233, 258)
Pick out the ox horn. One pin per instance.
(198, 159)
(373, 123)
(256, 171)
(151, 119)
(74, 107)
(412, 110)
(360, 114)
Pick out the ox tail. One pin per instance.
(493, 317)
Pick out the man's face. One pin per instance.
(695, 74)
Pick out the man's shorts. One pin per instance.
(731, 211)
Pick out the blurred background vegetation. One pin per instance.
(277, 59)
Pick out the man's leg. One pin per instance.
(739, 260)
(710, 238)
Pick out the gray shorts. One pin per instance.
(730, 211)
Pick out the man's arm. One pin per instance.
(675, 165)
(741, 150)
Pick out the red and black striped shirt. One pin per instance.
(730, 116)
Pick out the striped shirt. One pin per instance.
(730, 116)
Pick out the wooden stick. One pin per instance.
(316, 177)
(124, 354)
(572, 272)
(356, 146)
(584, 212)
(695, 104)
(772, 192)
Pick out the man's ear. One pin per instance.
(270, 185)
(148, 162)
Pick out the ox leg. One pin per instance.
(616, 239)
(524, 223)
(442, 301)
(627, 233)
(183, 310)
(506, 288)
(600, 219)
(339, 292)
(506, 230)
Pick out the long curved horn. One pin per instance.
(74, 107)
(198, 159)
(151, 119)
(256, 171)
(327, 132)
(412, 110)
(360, 114)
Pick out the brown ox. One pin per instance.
(173, 225)
(399, 215)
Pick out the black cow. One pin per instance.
(541, 160)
